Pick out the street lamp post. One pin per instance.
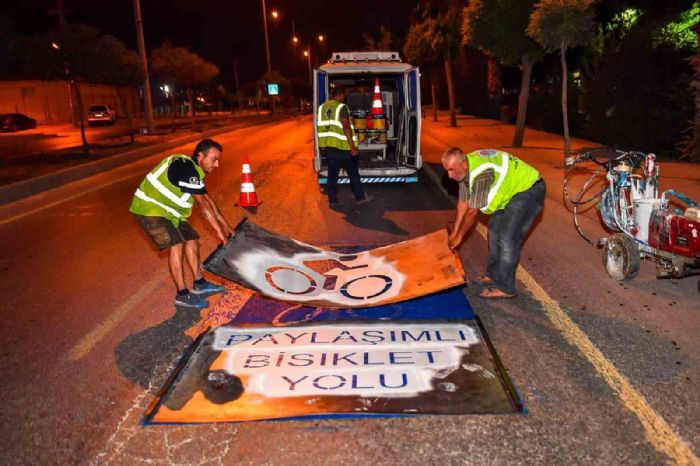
(307, 54)
(147, 101)
(267, 50)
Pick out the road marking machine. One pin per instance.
(644, 224)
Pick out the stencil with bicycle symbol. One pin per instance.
(289, 270)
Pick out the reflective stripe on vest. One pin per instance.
(182, 201)
(330, 131)
(141, 195)
(511, 176)
(156, 196)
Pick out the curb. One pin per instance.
(25, 188)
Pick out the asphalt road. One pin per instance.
(608, 372)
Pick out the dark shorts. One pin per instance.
(163, 233)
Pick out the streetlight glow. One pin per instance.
(320, 37)
(306, 53)
(295, 39)
(55, 46)
(275, 14)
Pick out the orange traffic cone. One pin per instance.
(248, 198)
(377, 113)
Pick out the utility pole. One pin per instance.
(147, 102)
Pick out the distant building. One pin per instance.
(51, 101)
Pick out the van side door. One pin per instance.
(320, 96)
(413, 121)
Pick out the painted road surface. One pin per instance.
(608, 372)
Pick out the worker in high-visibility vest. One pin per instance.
(512, 192)
(338, 142)
(162, 205)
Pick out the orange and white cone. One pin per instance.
(377, 114)
(248, 198)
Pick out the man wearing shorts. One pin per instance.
(163, 203)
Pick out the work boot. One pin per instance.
(203, 288)
(190, 300)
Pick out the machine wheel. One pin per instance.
(621, 257)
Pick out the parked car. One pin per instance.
(10, 122)
(101, 114)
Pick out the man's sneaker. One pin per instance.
(191, 300)
(207, 289)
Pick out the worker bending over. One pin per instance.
(162, 205)
(512, 192)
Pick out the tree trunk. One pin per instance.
(450, 90)
(190, 98)
(564, 104)
(81, 117)
(434, 100)
(695, 155)
(522, 101)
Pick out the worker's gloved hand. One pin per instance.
(354, 152)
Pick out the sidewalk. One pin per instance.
(545, 151)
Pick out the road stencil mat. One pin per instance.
(288, 270)
(274, 360)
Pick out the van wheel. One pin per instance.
(621, 257)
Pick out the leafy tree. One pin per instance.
(386, 40)
(695, 85)
(438, 28)
(418, 51)
(559, 25)
(497, 27)
(182, 67)
(634, 46)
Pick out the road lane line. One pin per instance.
(89, 341)
(656, 430)
(65, 199)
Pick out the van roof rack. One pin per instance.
(344, 57)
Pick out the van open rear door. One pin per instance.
(320, 96)
(412, 119)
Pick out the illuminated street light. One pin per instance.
(306, 53)
(275, 14)
(295, 39)
(55, 46)
(320, 37)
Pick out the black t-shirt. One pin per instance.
(183, 174)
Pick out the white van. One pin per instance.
(393, 156)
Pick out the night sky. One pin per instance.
(224, 30)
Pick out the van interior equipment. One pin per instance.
(389, 154)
